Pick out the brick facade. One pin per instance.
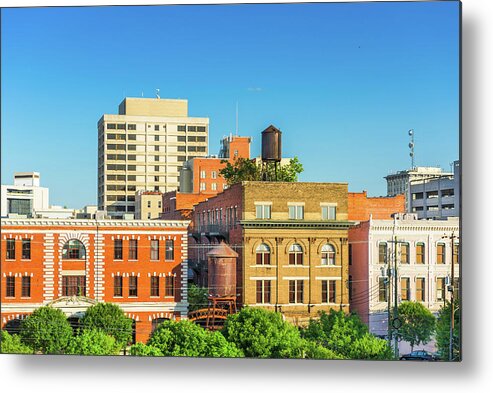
(53, 271)
(360, 206)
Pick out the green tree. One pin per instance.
(46, 330)
(313, 350)
(197, 297)
(92, 342)
(346, 336)
(185, 338)
(442, 332)
(243, 169)
(418, 323)
(263, 334)
(109, 318)
(12, 344)
(140, 349)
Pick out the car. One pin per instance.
(420, 355)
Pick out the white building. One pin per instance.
(144, 147)
(423, 256)
(400, 182)
(24, 197)
(436, 197)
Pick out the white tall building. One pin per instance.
(24, 197)
(423, 255)
(144, 147)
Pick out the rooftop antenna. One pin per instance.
(236, 118)
(411, 146)
(157, 93)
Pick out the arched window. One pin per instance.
(263, 254)
(328, 254)
(73, 249)
(295, 254)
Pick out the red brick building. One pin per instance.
(179, 205)
(360, 206)
(71, 264)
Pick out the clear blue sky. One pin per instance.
(344, 82)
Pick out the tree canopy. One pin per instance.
(243, 169)
(346, 336)
(197, 297)
(442, 332)
(92, 342)
(185, 338)
(109, 318)
(46, 330)
(418, 323)
(11, 343)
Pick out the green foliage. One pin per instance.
(110, 319)
(92, 342)
(418, 323)
(12, 344)
(243, 169)
(442, 332)
(46, 330)
(185, 338)
(140, 349)
(312, 350)
(197, 297)
(263, 334)
(346, 336)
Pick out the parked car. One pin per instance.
(420, 355)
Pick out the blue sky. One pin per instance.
(344, 82)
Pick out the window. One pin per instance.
(420, 289)
(182, 139)
(456, 288)
(120, 126)
(118, 286)
(263, 291)
(332, 291)
(10, 286)
(170, 250)
(192, 128)
(440, 253)
(155, 250)
(191, 148)
(132, 127)
(132, 249)
(295, 291)
(263, 212)
(328, 212)
(350, 254)
(170, 286)
(26, 248)
(10, 248)
(132, 137)
(382, 253)
(118, 248)
(405, 253)
(154, 286)
(182, 128)
(156, 178)
(382, 289)
(74, 286)
(201, 128)
(296, 212)
(132, 286)
(214, 174)
(73, 249)
(111, 126)
(420, 253)
(328, 291)
(202, 174)
(159, 205)
(263, 255)
(149, 216)
(182, 148)
(456, 253)
(214, 186)
(156, 148)
(148, 204)
(20, 206)
(440, 289)
(156, 127)
(405, 295)
(202, 186)
(156, 158)
(26, 286)
(417, 195)
(295, 254)
(328, 255)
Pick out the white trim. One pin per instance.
(263, 278)
(296, 278)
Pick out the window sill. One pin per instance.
(154, 297)
(131, 260)
(268, 266)
(26, 260)
(133, 297)
(117, 297)
(169, 297)
(25, 297)
(9, 297)
(305, 266)
(328, 266)
(10, 260)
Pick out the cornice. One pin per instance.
(43, 222)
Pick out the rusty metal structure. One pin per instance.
(222, 295)
(271, 151)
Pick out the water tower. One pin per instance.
(271, 149)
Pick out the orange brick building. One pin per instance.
(179, 205)
(71, 264)
(360, 206)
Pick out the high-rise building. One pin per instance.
(144, 147)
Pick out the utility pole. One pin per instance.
(452, 307)
(396, 345)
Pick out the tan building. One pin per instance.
(148, 205)
(291, 239)
(144, 147)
